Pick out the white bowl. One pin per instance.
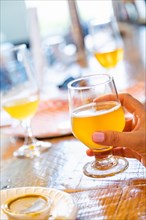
(62, 203)
(27, 206)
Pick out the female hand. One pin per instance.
(132, 141)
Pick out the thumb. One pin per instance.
(113, 138)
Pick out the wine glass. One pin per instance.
(94, 106)
(20, 96)
(107, 44)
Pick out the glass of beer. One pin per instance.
(20, 96)
(94, 106)
(107, 44)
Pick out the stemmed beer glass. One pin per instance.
(20, 96)
(94, 106)
(107, 42)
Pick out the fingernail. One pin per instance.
(98, 137)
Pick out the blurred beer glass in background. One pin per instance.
(107, 44)
(20, 96)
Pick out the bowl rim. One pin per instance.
(7, 210)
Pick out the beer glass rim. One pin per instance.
(107, 80)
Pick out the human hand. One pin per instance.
(133, 138)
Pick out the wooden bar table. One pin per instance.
(120, 197)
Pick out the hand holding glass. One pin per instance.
(20, 96)
(94, 106)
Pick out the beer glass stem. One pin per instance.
(105, 164)
(29, 148)
(28, 132)
(104, 160)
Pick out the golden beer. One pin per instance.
(97, 117)
(23, 108)
(109, 59)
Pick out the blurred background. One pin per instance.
(57, 34)
(57, 30)
(54, 16)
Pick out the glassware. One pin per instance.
(20, 96)
(94, 106)
(107, 42)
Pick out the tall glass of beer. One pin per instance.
(94, 106)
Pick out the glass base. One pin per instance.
(120, 164)
(32, 150)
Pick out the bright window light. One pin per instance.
(54, 14)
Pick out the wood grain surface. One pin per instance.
(120, 197)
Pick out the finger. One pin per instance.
(131, 104)
(128, 101)
(89, 152)
(126, 152)
(128, 124)
(112, 138)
